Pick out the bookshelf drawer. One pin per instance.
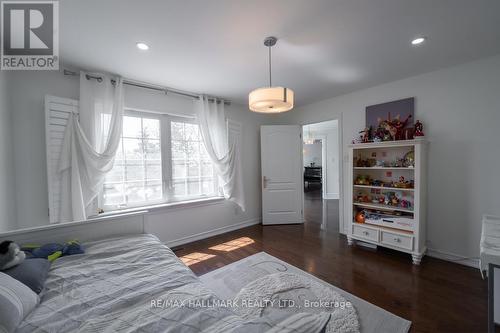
(366, 233)
(389, 238)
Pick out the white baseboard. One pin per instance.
(214, 232)
(455, 258)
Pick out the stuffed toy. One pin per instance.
(10, 255)
(52, 251)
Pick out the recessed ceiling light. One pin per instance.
(418, 41)
(142, 46)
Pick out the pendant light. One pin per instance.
(271, 99)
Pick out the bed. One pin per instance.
(134, 284)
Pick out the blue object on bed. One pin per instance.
(31, 272)
(44, 251)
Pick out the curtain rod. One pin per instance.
(145, 86)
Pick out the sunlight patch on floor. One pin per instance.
(195, 257)
(233, 245)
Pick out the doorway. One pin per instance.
(321, 169)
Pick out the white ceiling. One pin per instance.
(325, 48)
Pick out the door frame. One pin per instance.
(324, 175)
(339, 117)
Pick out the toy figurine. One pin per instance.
(419, 129)
(379, 133)
(405, 204)
(360, 217)
(366, 135)
(362, 180)
(408, 133)
(363, 198)
(368, 163)
(409, 159)
(391, 130)
(402, 183)
(400, 126)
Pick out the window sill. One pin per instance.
(163, 206)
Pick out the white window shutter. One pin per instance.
(57, 112)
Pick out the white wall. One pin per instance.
(28, 91)
(7, 190)
(332, 163)
(460, 109)
(312, 153)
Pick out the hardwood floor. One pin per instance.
(437, 296)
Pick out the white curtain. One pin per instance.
(90, 144)
(225, 155)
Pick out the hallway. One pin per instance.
(314, 208)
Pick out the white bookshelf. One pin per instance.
(390, 225)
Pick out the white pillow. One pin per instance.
(16, 302)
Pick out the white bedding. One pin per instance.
(111, 288)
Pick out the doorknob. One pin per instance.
(264, 181)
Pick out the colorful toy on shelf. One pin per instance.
(387, 199)
(360, 217)
(379, 134)
(363, 198)
(390, 130)
(393, 129)
(362, 180)
(400, 126)
(402, 183)
(398, 163)
(391, 199)
(409, 159)
(419, 129)
(377, 182)
(405, 204)
(364, 163)
(366, 135)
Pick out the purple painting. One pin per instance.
(402, 108)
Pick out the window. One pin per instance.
(192, 170)
(160, 159)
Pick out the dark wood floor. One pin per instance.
(437, 296)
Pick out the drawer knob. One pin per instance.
(397, 240)
(365, 233)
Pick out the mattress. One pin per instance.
(127, 284)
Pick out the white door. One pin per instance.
(282, 189)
